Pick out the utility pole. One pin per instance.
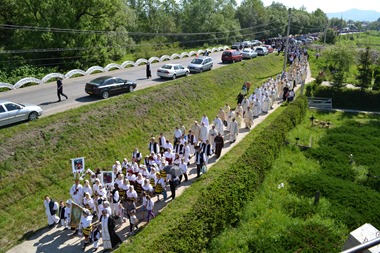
(327, 26)
(287, 39)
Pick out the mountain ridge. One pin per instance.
(356, 15)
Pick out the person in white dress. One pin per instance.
(219, 125)
(205, 120)
(211, 136)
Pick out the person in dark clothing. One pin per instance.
(200, 160)
(60, 90)
(219, 144)
(148, 70)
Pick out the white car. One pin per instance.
(248, 53)
(261, 50)
(172, 71)
(11, 112)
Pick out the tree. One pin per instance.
(365, 69)
(252, 14)
(339, 58)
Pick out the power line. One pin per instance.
(49, 50)
(65, 30)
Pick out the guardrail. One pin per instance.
(107, 68)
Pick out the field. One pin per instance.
(283, 217)
(36, 156)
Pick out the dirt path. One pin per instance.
(59, 240)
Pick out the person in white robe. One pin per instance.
(205, 120)
(196, 130)
(211, 136)
(266, 104)
(256, 108)
(239, 109)
(109, 236)
(239, 119)
(76, 193)
(203, 133)
(219, 125)
(234, 130)
(248, 118)
(51, 208)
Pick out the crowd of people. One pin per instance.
(140, 180)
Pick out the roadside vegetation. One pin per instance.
(283, 215)
(36, 156)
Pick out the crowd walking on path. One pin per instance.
(141, 182)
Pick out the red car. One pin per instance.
(231, 56)
(270, 48)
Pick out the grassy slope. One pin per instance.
(36, 155)
(285, 219)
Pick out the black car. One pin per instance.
(105, 86)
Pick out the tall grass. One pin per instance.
(36, 156)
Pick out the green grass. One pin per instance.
(286, 219)
(36, 156)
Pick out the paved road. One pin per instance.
(45, 94)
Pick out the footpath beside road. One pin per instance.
(59, 240)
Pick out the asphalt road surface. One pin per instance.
(45, 95)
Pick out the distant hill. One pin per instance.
(356, 15)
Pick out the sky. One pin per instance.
(329, 6)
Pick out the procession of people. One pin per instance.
(139, 182)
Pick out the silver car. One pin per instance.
(201, 64)
(11, 112)
(172, 71)
(248, 54)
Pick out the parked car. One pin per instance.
(172, 71)
(256, 43)
(11, 112)
(261, 51)
(237, 45)
(106, 86)
(270, 48)
(201, 64)
(248, 53)
(247, 43)
(231, 56)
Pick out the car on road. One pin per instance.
(237, 45)
(248, 53)
(200, 64)
(106, 86)
(11, 112)
(256, 43)
(231, 56)
(261, 51)
(172, 71)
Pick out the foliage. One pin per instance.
(330, 36)
(285, 219)
(376, 74)
(339, 59)
(365, 69)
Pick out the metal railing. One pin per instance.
(363, 246)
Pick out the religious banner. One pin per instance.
(77, 165)
(75, 215)
(107, 178)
